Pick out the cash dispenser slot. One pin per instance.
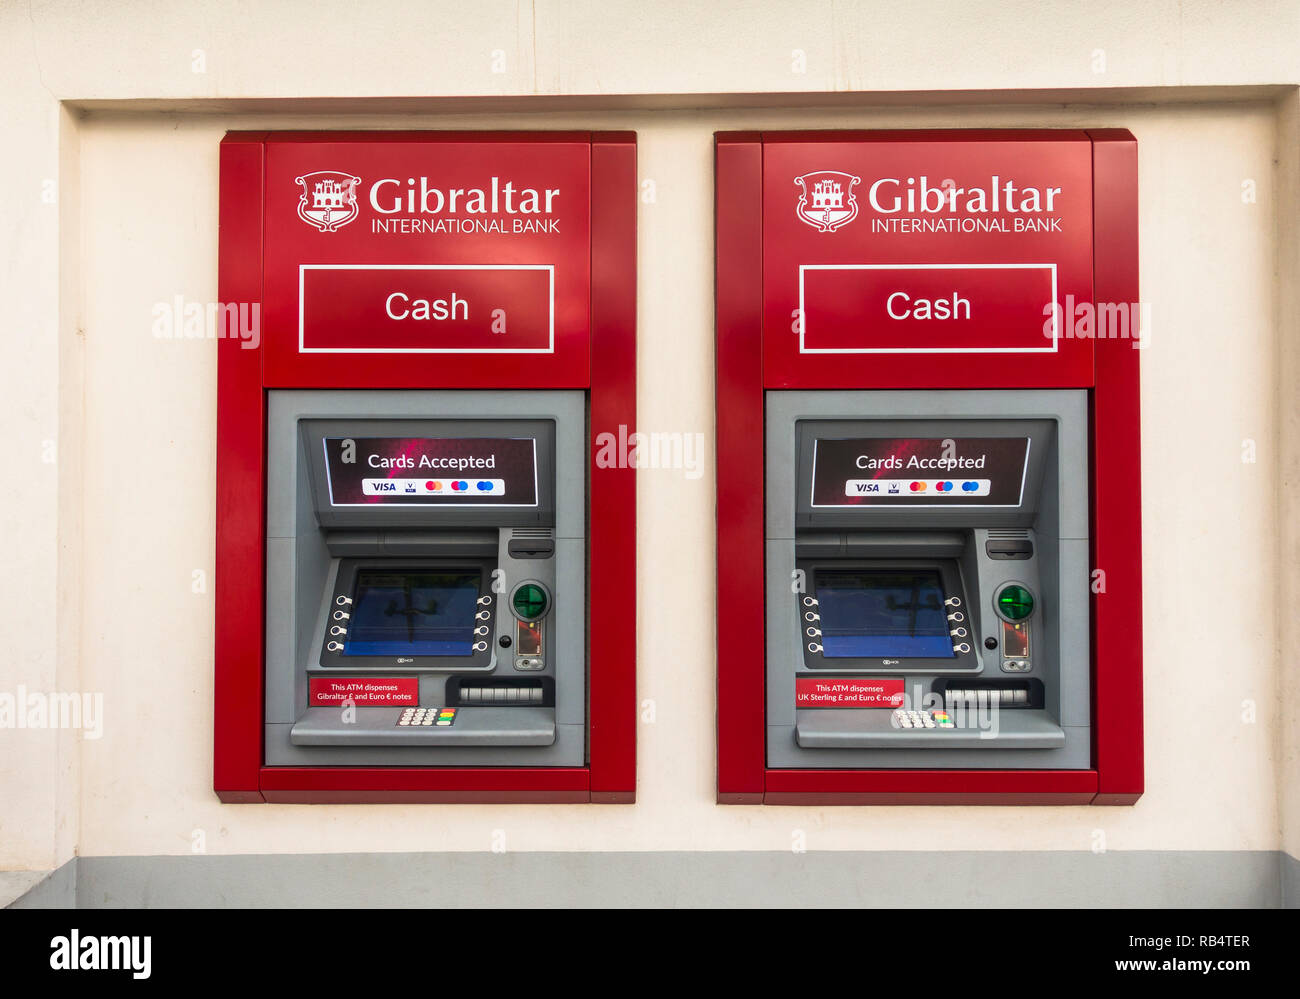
(880, 544)
(414, 542)
(1003, 693)
(501, 692)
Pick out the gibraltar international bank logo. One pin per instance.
(827, 201)
(329, 199)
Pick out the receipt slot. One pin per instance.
(928, 452)
(425, 581)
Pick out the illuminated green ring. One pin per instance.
(1014, 602)
(530, 601)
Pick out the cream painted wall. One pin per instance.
(107, 215)
(328, 48)
(1288, 457)
(148, 201)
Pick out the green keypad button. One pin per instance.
(530, 601)
(1015, 602)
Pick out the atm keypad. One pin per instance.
(922, 719)
(427, 717)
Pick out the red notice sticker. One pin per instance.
(371, 691)
(848, 693)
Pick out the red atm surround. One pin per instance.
(263, 242)
(760, 245)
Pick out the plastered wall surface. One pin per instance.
(149, 205)
(113, 427)
(333, 48)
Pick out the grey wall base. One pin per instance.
(16, 884)
(1213, 879)
(1290, 881)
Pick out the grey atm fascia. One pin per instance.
(1053, 514)
(307, 543)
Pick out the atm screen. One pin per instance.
(877, 613)
(413, 613)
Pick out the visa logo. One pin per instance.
(868, 487)
(385, 487)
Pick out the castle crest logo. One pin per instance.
(328, 200)
(827, 200)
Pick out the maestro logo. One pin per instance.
(826, 201)
(328, 199)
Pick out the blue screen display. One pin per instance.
(413, 613)
(883, 613)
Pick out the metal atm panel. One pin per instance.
(886, 562)
(340, 544)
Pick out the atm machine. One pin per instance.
(928, 468)
(425, 579)
(927, 573)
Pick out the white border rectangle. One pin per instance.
(803, 315)
(303, 268)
